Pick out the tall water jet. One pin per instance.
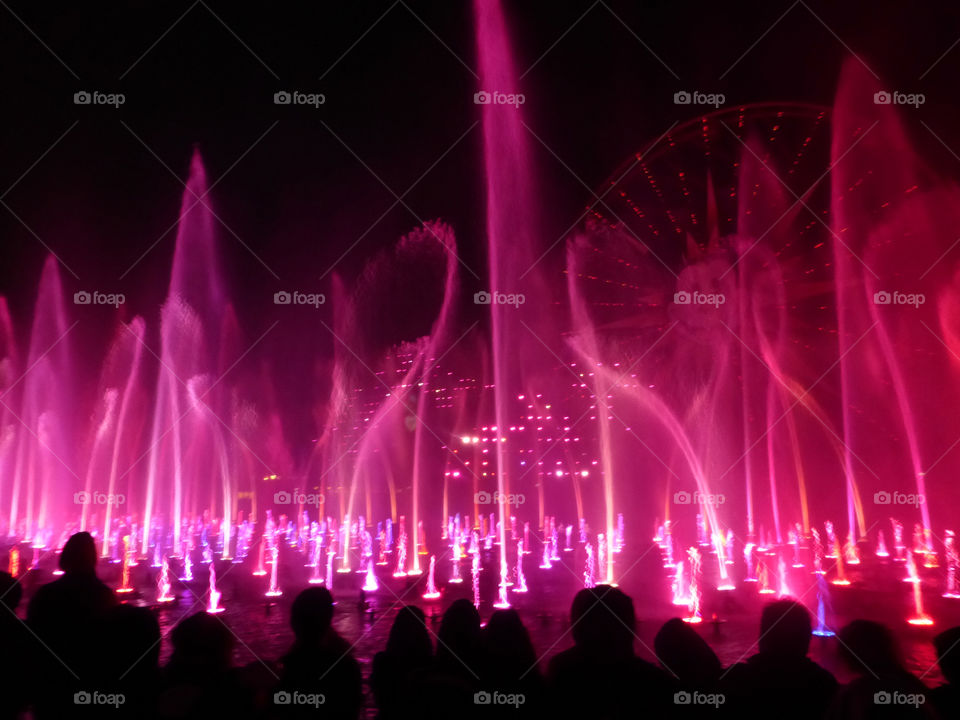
(44, 452)
(421, 265)
(512, 244)
(120, 375)
(189, 325)
(892, 219)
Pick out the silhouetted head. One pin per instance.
(506, 639)
(459, 631)
(684, 653)
(311, 614)
(947, 645)
(79, 555)
(202, 645)
(409, 637)
(868, 647)
(132, 637)
(603, 621)
(10, 591)
(785, 629)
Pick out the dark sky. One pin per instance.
(399, 82)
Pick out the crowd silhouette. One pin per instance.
(82, 654)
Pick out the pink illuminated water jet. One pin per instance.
(370, 583)
(521, 584)
(163, 583)
(125, 586)
(432, 593)
(213, 602)
(274, 590)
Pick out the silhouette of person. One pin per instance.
(687, 656)
(946, 698)
(398, 676)
(197, 680)
(16, 644)
(66, 616)
(319, 674)
(129, 661)
(882, 688)
(510, 665)
(454, 676)
(780, 677)
(601, 675)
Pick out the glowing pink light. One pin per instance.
(432, 593)
(213, 606)
(370, 584)
(274, 590)
(163, 583)
(125, 572)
